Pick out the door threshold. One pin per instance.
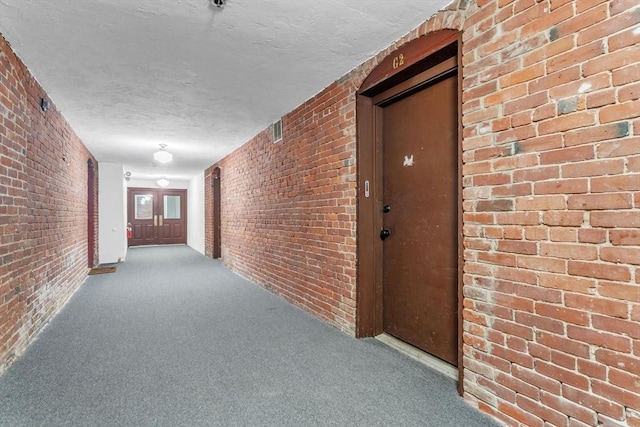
(419, 355)
(157, 245)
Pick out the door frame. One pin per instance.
(217, 221)
(403, 71)
(158, 194)
(91, 214)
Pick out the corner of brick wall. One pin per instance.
(43, 208)
(552, 211)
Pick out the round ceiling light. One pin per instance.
(162, 155)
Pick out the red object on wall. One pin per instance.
(129, 231)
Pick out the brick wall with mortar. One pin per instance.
(552, 211)
(551, 177)
(43, 208)
(288, 208)
(208, 212)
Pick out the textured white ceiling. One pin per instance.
(131, 74)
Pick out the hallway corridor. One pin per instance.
(174, 338)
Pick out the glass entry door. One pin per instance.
(157, 216)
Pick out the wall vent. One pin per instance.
(277, 131)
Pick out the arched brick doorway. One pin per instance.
(405, 243)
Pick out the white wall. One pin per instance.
(195, 213)
(112, 211)
(143, 183)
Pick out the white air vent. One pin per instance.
(277, 131)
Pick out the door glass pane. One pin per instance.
(144, 206)
(171, 207)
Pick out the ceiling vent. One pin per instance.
(277, 131)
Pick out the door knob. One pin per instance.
(386, 209)
(384, 234)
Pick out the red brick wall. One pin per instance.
(552, 210)
(551, 205)
(43, 208)
(288, 208)
(208, 212)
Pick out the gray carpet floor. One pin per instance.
(174, 338)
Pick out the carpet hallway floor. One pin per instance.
(175, 339)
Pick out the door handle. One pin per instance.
(384, 234)
(155, 220)
(160, 220)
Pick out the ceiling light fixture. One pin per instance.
(162, 155)
(162, 182)
(218, 3)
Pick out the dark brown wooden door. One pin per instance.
(158, 216)
(217, 221)
(172, 218)
(420, 262)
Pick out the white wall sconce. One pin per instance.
(163, 182)
(162, 155)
